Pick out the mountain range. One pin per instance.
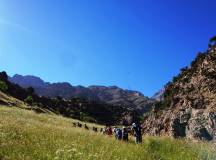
(76, 107)
(112, 95)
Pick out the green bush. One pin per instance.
(29, 100)
(89, 119)
(85, 117)
(213, 39)
(184, 69)
(175, 78)
(3, 86)
(56, 102)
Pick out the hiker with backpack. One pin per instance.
(86, 127)
(104, 130)
(124, 134)
(94, 129)
(137, 132)
(118, 134)
(114, 131)
(109, 130)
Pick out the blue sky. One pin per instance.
(134, 44)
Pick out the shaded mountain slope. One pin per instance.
(189, 106)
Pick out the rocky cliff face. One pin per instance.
(189, 105)
(112, 95)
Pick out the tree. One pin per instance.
(213, 40)
(29, 100)
(55, 101)
(184, 69)
(3, 86)
(3, 76)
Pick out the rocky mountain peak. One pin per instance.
(27, 80)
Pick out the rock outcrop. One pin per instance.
(189, 105)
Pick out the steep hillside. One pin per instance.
(112, 95)
(29, 136)
(7, 100)
(189, 106)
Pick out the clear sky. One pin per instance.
(134, 44)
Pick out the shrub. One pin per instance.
(175, 78)
(184, 69)
(3, 86)
(213, 40)
(29, 100)
(195, 63)
(87, 118)
(56, 102)
(3, 76)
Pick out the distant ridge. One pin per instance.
(111, 95)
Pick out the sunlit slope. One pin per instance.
(10, 101)
(25, 135)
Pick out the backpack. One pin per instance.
(109, 131)
(119, 133)
(137, 131)
(125, 135)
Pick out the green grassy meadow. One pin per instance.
(25, 135)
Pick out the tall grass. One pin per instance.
(25, 135)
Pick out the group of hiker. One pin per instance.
(121, 134)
